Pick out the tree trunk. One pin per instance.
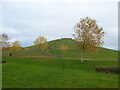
(82, 58)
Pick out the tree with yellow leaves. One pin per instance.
(6, 45)
(63, 48)
(15, 46)
(41, 43)
(4, 41)
(88, 35)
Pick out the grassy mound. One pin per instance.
(53, 48)
(37, 70)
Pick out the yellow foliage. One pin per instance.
(88, 34)
(6, 45)
(41, 43)
(4, 42)
(15, 46)
(63, 48)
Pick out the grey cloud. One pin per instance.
(56, 19)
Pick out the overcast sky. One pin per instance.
(24, 21)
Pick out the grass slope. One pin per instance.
(66, 72)
(100, 54)
(53, 48)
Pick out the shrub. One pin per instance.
(108, 69)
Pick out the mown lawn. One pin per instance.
(101, 54)
(36, 72)
(19, 72)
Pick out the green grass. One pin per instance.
(101, 54)
(22, 52)
(49, 73)
(65, 41)
(26, 72)
(1, 76)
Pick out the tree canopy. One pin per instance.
(88, 35)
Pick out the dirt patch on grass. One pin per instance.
(77, 59)
(38, 56)
(54, 57)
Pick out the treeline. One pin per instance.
(7, 45)
(40, 43)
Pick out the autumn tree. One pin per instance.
(15, 46)
(88, 35)
(41, 43)
(63, 48)
(4, 41)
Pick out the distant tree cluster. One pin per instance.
(6, 45)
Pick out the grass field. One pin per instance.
(66, 72)
(55, 73)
